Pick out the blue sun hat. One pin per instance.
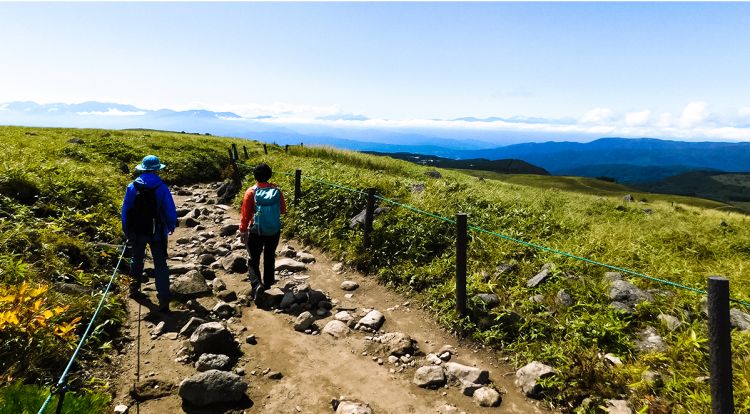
(150, 163)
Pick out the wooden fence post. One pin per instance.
(461, 243)
(286, 148)
(244, 148)
(231, 157)
(234, 151)
(369, 215)
(720, 346)
(265, 149)
(297, 186)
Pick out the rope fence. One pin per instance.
(61, 385)
(525, 243)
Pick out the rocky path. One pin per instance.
(323, 340)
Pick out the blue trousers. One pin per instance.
(158, 248)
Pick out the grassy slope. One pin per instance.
(593, 186)
(678, 242)
(59, 210)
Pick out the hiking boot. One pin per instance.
(164, 306)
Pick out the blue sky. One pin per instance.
(657, 69)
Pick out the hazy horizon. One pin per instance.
(489, 72)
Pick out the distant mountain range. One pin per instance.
(626, 160)
(508, 166)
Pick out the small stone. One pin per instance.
(251, 339)
(227, 295)
(274, 375)
(121, 409)
(669, 321)
(563, 299)
(218, 285)
(618, 407)
(528, 375)
(290, 265)
(336, 329)
(349, 285)
(489, 300)
(612, 359)
(304, 321)
(393, 359)
(212, 361)
(487, 397)
(159, 329)
(338, 268)
(372, 321)
(305, 257)
(430, 376)
(540, 277)
(190, 326)
(171, 335)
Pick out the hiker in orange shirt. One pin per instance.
(260, 226)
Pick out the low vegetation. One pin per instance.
(59, 200)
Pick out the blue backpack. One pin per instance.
(267, 219)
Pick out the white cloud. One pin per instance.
(744, 111)
(637, 118)
(666, 120)
(4, 107)
(693, 114)
(113, 112)
(596, 116)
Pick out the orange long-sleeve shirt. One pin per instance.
(248, 205)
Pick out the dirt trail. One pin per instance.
(315, 368)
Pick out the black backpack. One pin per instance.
(143, 216)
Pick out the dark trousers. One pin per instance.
(158, 248)
(257, 244)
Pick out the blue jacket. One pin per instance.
(164, 202)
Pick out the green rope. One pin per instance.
(529, 244)
(64, 376)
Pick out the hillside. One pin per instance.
(60, 198)
(498, 166)
(725, 187)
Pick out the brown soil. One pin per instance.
(315, 368)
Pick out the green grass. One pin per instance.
(47, 185)
(676, 238)
(592, 186)
(18, 398)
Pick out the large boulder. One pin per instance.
(528, 375)
(234, 263)
(430, 376)
(212, 387)
(191, 284)
(212, 337)
(191, 325)
(488, 300)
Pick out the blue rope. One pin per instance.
(85, 335)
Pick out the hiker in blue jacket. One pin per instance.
(148, 217)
